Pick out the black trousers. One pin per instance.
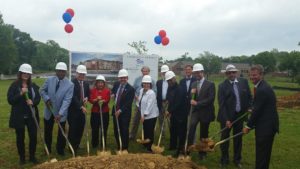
(96, 127)
(263, 151)
(237, 143)
(76, 128)
(177, 132)
(204, 128)
(20, 137)
(124, 130)
(149, 125)
(61, 141)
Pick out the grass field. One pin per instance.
(284, 156)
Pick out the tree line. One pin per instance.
(17, 47)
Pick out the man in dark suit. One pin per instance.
(161, 96)
(204, 110)
(123, 93)
(234, 97)
(176, 112)
(264, 117)
(77, 109)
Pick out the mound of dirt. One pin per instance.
(129, 161)
(292, 101)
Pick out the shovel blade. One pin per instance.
(157, 149)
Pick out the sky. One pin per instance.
(223, 27)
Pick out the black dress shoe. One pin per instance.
(21, 161)
(33, 160)
(62, 153)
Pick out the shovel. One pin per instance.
(157, 149)
(63, 132)
(87, 135)
(142, 140)
(39, 130)
(103, 152)
(120, 152)
(223, 129)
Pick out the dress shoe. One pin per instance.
(33, 160)
(238, 165)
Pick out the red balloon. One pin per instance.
(165, 41)
(69, 28)
(162, 33)
(70, 11)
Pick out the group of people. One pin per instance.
(183, 104)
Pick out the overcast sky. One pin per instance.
(223, 27)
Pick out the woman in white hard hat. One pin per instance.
(99, 94)
(21, 94)
(149, 110)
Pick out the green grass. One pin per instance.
(285, 149)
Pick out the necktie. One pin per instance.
(57, 86)
(119, 96)
(254, 91)
(81, 90)
(237, 96)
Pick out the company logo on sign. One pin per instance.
(139, 61)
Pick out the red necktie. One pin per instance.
(254, 91)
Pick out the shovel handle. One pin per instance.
(102, 130)
(227, 139)
(118, 127)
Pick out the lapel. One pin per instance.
(203, 88)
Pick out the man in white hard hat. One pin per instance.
(57, 93)
(234, 97)
(137, 85)
(203, 106)
(176, 113)
(77, 109)
(123, 93)
(161, 95)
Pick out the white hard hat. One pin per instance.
(25, 68)
(61, 66)
(100, 77)
(169, 75)
(123, 73)
(146, 79)
(231, 68)
(198, 67)
(81, 69)
(164, 68)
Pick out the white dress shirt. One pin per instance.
(148, 107)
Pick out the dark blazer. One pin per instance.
(175, 97)
(126, 98)
(227, 99)
(186, 94)
(19, 106)
(76, 103)
(205, 101)
(264, 117)
(159, 94)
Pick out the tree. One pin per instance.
(266, 59)
(8, 51)
(211, 62)
(185, 57)
(290, 62)
(139, 46)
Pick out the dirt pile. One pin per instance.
(129, 161)
(292, 101)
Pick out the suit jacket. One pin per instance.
(175, 97)
(19, 107)
(227, 100)
(126, 99)
(186, 94)
(159, 94)
(60, 100)
(264, 117)
(76, 103)
(205, 101)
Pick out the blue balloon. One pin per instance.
(157, 40)
(67, 17)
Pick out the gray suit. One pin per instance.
(60, 99)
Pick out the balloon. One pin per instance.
(69, 28)
(67, 17)
(165, 41)
(162, 33)
(157, 40)
(71, 12)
